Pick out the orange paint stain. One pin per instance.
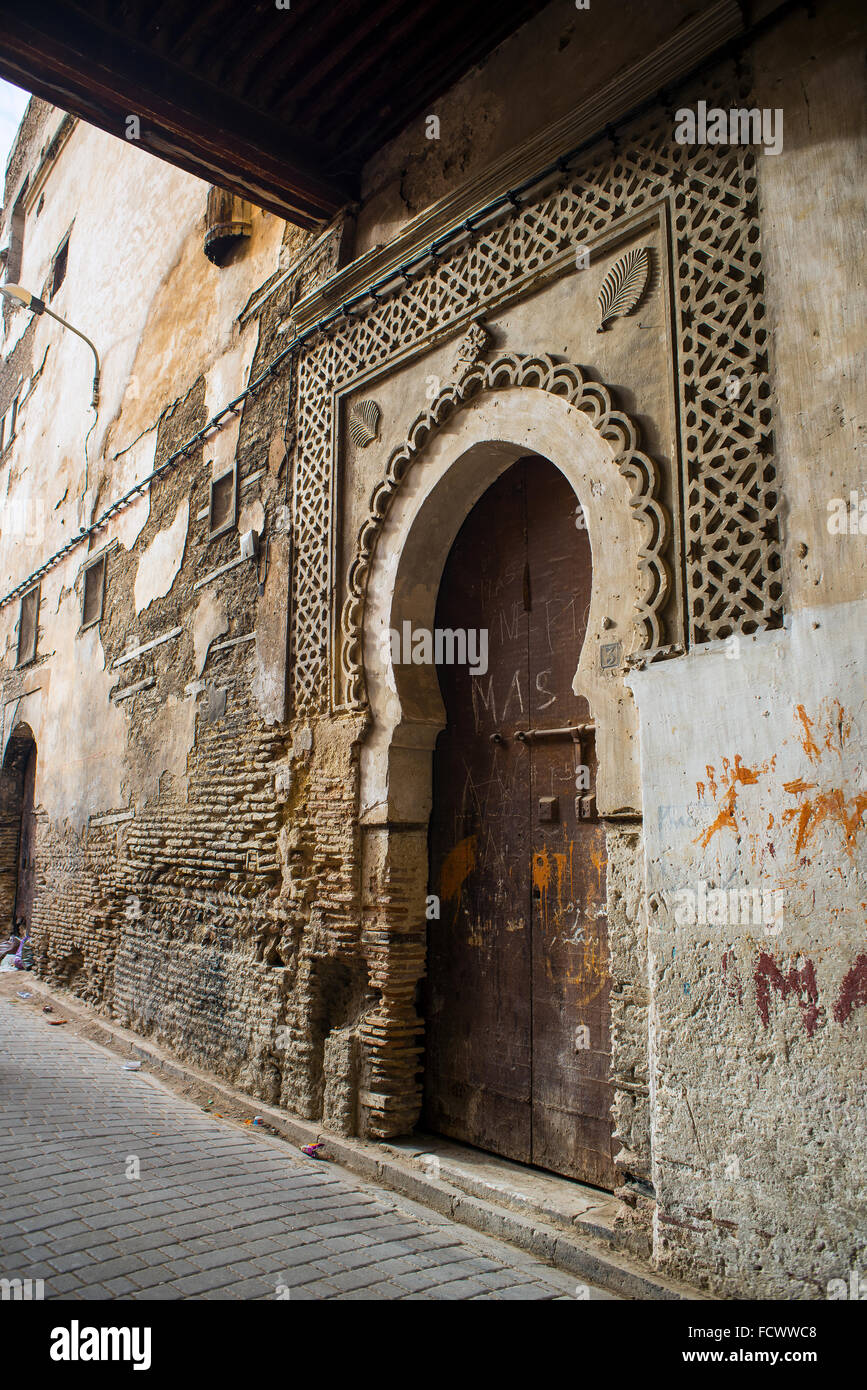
(831, 806)
(799, 785)
(807, 742)
(541, 871)
(724, 820)
(457, 867)
(736, 775)
(597, 859)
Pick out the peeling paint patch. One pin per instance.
(160, 562)
(128, 469)
(210, 621)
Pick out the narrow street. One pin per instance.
(115, 1187)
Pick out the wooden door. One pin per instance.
(517, 1009)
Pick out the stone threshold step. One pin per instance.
(562, 1223)
(570, 1206)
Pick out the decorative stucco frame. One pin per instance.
(509, 371)
(725, 477)
(480, 423)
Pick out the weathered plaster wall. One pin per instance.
(754, 778)
(159, 861)
(553, 63)
(158, 311)
(753, 772)
(812, 210)
(196, 868)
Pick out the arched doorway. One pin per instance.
(517, 991)
(18, 830)
(432, 484)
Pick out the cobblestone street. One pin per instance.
(216, 1212)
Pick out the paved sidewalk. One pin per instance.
(216, 1211)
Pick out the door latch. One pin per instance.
(575, 731)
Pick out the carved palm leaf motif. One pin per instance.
(364, 423)
(623, 286)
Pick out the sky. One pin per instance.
(12, 104)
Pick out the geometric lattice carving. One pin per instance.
(507, 371)
(732, 534)
(727, 476)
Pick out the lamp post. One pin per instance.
(38, 306)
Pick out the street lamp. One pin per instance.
(38, 306)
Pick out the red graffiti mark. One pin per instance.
(799, 982)
(853, 990)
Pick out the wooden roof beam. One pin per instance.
(65, 58)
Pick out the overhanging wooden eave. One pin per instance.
(72, 63)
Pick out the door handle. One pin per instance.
(575, 731)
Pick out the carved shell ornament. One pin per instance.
(623, 286)
(364, 423)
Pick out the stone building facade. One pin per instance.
(233, 776)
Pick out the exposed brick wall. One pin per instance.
(217, 908)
